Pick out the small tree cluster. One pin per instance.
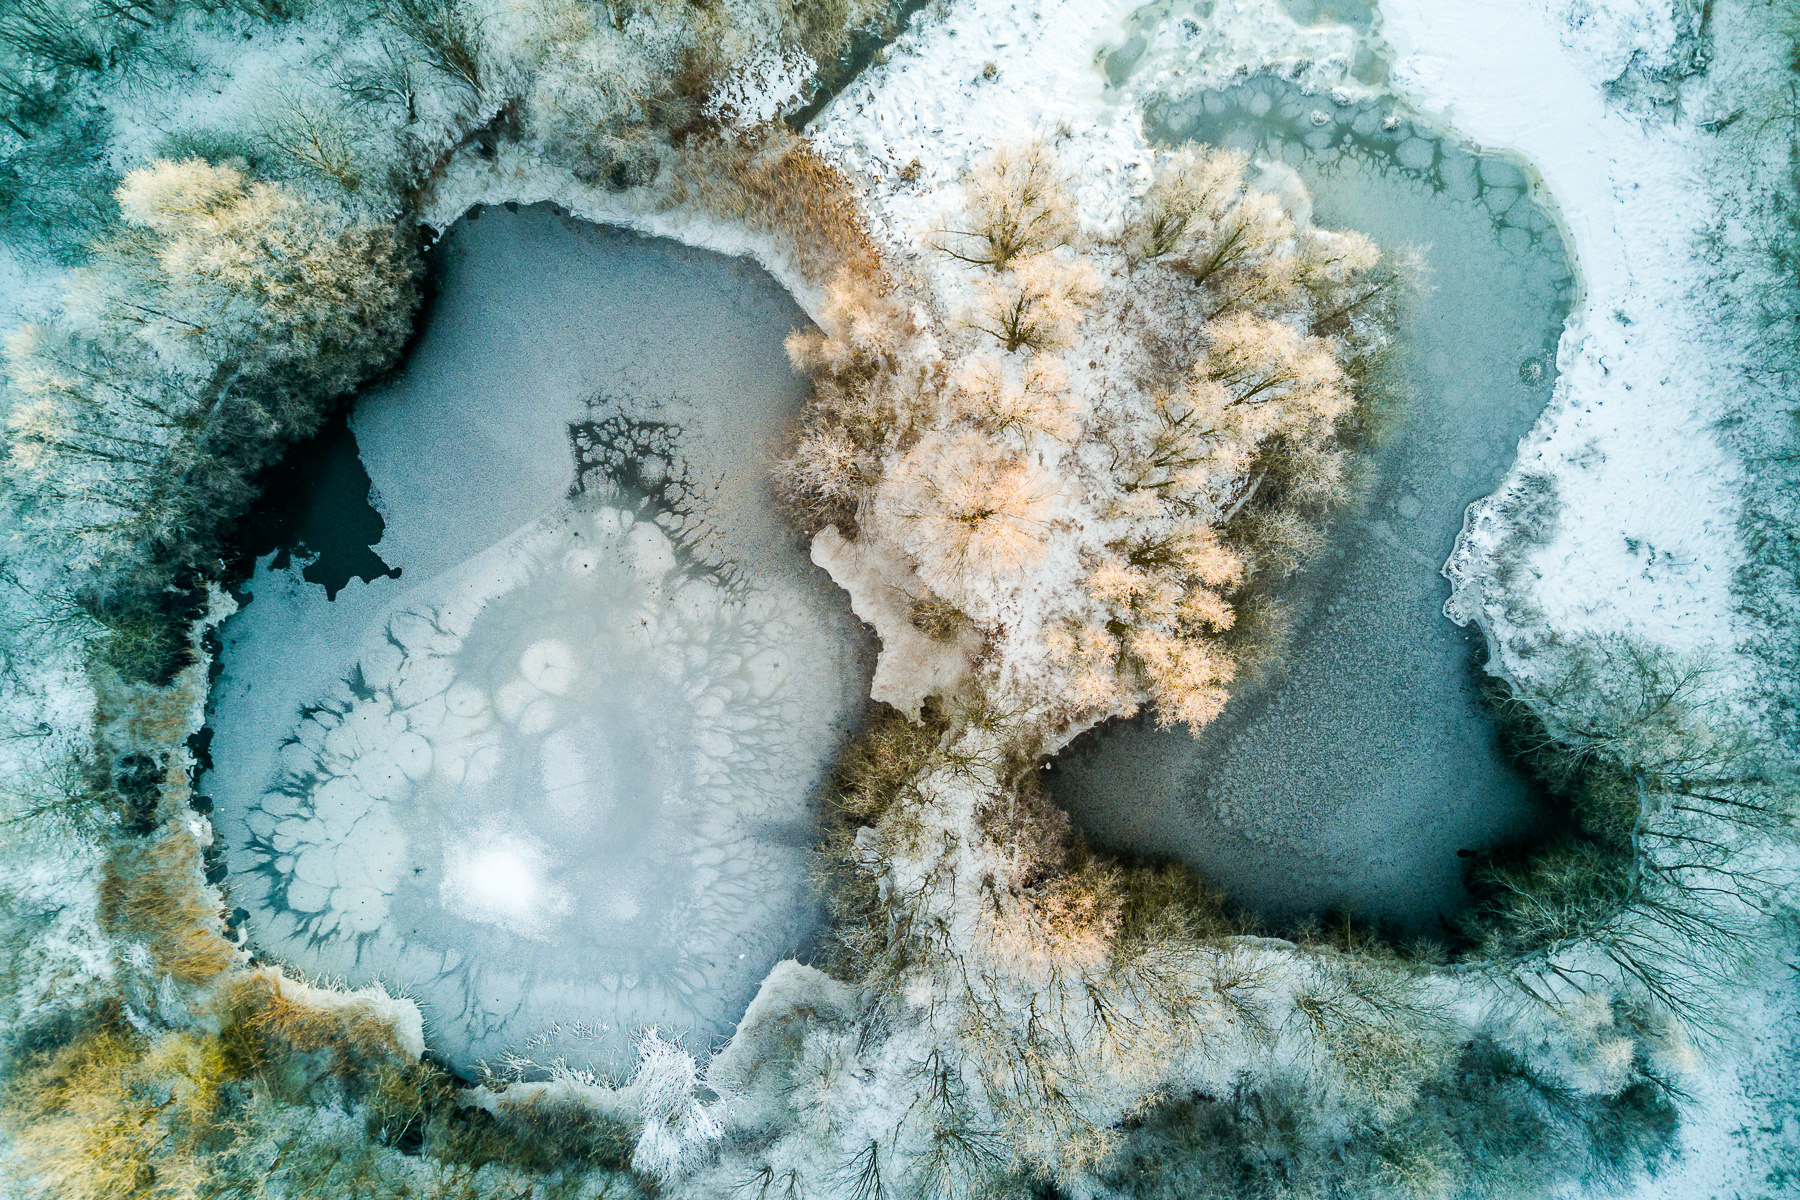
(1658, 885)
(867, 388)
(210, 332)
(1244, 444)
(1184, 499)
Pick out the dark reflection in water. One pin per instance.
(1352, 779)
(316, 503)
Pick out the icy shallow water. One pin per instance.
(1352, 780)
(555, 781)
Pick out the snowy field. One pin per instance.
(555, 781)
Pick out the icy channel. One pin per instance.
(1353, 779)
(555, 781)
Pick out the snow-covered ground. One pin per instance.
(1645, 543)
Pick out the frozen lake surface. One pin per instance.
(1352, 779)
(556, 780)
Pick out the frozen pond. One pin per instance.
(1354, 778)
(556, 779)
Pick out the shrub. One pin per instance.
(867, 393)
(309, 133)
(1037, 308)
(289, 1045)
(937, 619)
(1016, 206)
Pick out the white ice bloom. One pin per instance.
(500, 880)
(679, 1130)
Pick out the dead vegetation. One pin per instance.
(773, 181)
(155, 893)
(285, 1101)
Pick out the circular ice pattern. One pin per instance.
(570, 788)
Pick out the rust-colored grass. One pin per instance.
(113, 1115)
(775, 182)
(155, 891)
(265, 1027)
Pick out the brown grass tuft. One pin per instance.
(265, 1028)
(774, 181)
(155, 892)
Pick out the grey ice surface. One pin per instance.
(1353, 778)
(557, 781)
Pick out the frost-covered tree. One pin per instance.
(1191, 191)
(1017, 205)
(215, 327)
(1037, 305)
(1004, 394)
(972, 509)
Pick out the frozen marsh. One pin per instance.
(556, 780)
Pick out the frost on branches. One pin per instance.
(1092, 448)
(1065, 460)
(206, 334)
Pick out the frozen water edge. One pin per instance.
(1352, 779)
(556, 785)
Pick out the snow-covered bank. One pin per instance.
(1304, 795)
(1645, 544)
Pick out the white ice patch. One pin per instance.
(521, 827)
(500, 881)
